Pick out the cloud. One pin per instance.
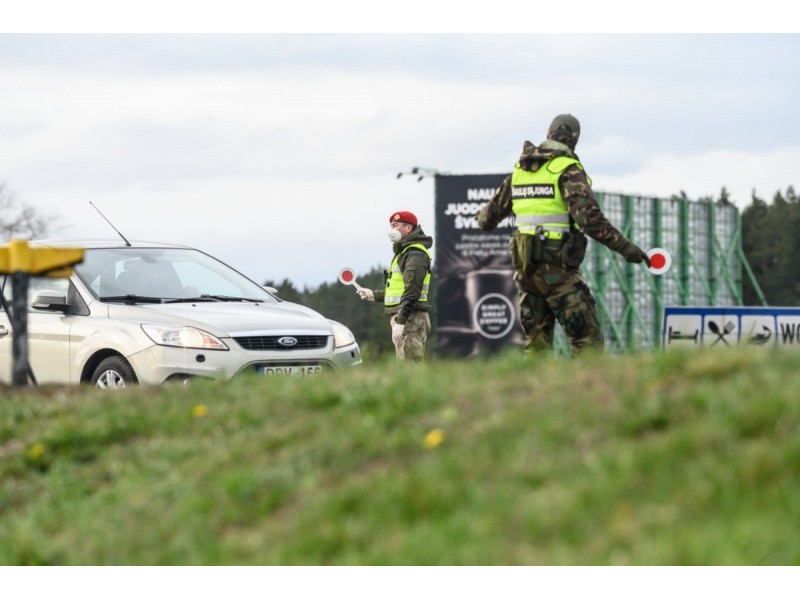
(704, 175)
(279, 153)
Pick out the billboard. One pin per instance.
(477, 311)
(706, 327)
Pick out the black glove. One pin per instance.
(633, 254)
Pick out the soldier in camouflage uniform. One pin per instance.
(405, 297)
(555, 208)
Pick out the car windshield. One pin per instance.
(164, 275)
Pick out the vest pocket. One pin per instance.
(520, 247)
(516, 263)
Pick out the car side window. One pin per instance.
(60, 286)
(35, 284)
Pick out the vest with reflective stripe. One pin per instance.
(395, 286)
(537, 201)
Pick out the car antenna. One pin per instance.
(127, 243)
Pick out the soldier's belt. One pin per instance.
(548, 234)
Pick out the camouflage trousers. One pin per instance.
(550, 293)
(412, 346)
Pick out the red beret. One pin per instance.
(403, 216)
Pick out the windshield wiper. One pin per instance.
(203, 298)
(212, 298)
(132, 299)
(223, 298)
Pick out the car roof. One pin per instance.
(104, 243)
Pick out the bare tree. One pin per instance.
(19, 220)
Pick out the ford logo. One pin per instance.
(287, 341)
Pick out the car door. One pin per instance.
(48, 334)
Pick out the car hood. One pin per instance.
(226, 319)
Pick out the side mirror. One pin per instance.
(49, 300)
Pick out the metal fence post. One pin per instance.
(19, 325)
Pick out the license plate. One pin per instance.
(302, 370)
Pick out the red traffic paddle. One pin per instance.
(348, 277)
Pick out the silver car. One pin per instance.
(152, 313)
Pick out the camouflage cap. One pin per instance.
(565, 129)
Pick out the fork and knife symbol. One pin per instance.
(721, 333)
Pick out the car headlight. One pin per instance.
(342, 336)
(183, 337)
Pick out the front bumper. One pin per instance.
(158, 364)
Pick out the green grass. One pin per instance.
(650, 459)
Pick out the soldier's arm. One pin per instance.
(497, 208)
(415, 267)
(582, 205)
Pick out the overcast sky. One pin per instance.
(278, 153)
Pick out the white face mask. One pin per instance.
(395, 235)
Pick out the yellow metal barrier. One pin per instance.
(18, 256)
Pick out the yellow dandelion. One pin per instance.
(200, 410)
(36, 451)
(433, 438)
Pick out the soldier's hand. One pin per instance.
(633, 254)
(366, 294)
(397, 332)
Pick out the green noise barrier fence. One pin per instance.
(704, 241)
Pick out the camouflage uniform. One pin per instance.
(414, 265)
(418, 326)
(550, 285)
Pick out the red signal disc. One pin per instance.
(660, 261)
(347, 276)
(657, 261)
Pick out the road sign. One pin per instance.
(723, 327)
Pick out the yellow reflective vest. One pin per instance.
(537, 201)
(395, 286)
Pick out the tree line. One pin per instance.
(771, 243)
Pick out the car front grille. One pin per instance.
(270, 342)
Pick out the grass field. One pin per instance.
(648, 459)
